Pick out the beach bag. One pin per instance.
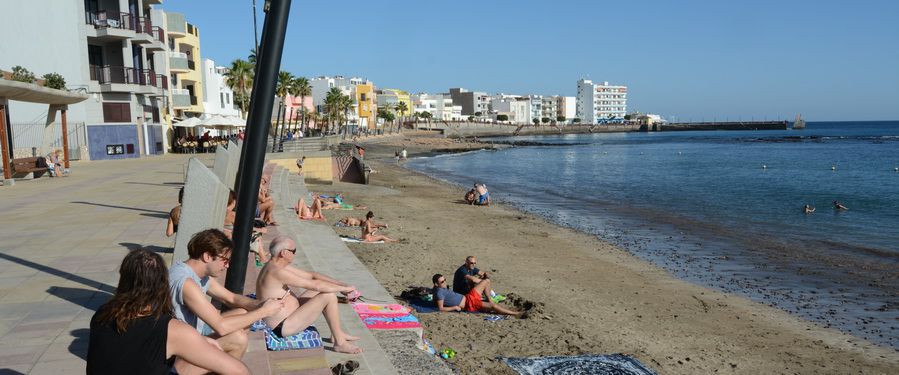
(309, 338)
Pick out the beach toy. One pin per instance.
(447, 353)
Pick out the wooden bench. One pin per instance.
(36, 165)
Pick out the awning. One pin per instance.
(223, 121)
(188, 122)
(29, 92)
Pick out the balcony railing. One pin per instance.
(126, 75)
(124, 21)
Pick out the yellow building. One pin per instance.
(366, 108)
(399, 96)
(185, 66)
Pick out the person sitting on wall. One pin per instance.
(193, 281)
(134, 332)
(175, 216)
(266, 208)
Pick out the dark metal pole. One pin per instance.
(252, 158)
(255, 31)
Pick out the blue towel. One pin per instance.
(423, 306)
(310, 338)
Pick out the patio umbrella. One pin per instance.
(189, 122)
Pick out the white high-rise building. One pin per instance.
(600, 102)
(440, 106)
(518, 109)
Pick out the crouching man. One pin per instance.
(191, 283)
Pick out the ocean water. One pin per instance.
(724, 209)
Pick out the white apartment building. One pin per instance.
(600, 102)
(566, 107)
(549, 108)
(440, 106)
(321, 86)
(536, 106)
(218, 98)
(518, 109)
(113, 50)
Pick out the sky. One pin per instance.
(687, 60)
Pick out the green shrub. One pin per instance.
(502, 117)
(560, 118)
(54, 81)
(22, 75)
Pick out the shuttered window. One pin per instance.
(116, 112)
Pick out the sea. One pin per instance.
(724, 209)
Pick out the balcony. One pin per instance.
(181, 98)
(124, 79)
(177, 26)
(178, 62)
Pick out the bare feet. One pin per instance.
(348, 348)
(350, 338)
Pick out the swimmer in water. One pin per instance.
(808, 209)
(839, 206)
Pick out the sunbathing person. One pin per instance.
(266, 205)
(370, 232)
(305, 212)
(448, 300)
(193, 282)
(134, 332)
(319, 297)
(175, 216)
(337, 203)
(256, 244)
(350, 221)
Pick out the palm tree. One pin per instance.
(302, 88)
(240, 79)
(401, 107)
(252, 56)
(285, 80)
(332, 105)
(346, 104)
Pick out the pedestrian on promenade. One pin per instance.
(134, 333)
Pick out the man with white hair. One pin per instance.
(299, 311)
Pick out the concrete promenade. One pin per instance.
(62, 240)
(61, 243)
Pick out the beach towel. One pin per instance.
(309, 338)
(352, 239)
(617, 364)
(389, 309)
(341, 224)
(422, 306)
(380, 321)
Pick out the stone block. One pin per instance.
(227, 162)
(205, 201)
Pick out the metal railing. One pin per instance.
(124, 21)
(126, 75)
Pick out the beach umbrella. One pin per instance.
(189, 122)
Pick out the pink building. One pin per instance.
(293, 112)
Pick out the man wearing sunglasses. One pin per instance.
(192, 282)
(318, 298)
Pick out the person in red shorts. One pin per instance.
(448, 300)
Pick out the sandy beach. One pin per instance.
(591, 297)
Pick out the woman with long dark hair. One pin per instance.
(134, 333)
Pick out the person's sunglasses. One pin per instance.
(441, 281)
(292, 251)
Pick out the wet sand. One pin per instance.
(592, 297)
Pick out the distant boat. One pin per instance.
(798, 123)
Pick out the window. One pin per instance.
(115, 149)
(116, 112)
(228, 98)
(222, 99)
(130, 148)
(363, 97)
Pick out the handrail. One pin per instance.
(128, 75)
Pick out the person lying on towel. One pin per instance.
(350, 221)
(448, 300)
(319, 297)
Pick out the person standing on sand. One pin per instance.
(448, 300)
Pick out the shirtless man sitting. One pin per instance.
(370, 232)
(266, 205)
(350, 221)
(319, 297)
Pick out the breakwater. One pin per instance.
(727, 125)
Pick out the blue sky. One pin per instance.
(692, 60)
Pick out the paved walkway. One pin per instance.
(62, 240)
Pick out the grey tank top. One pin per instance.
(177, 275)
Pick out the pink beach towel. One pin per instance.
(386, 310)
(389, 321)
